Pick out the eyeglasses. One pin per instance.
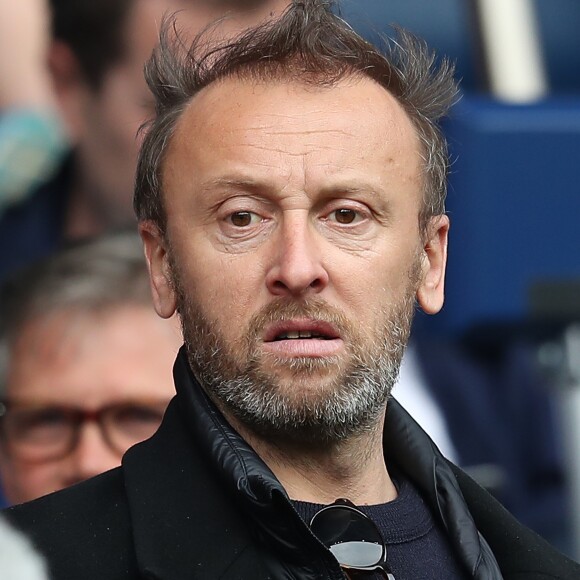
(353, 538)
(43, 433)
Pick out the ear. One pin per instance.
(70, 87)
(159, 269)
(430, 293)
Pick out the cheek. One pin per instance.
(223, 284)
(24, 482)
(122, 135)
(123, 104)
(366, 286)
(231, 306)
(113, 124)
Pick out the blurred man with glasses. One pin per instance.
(85, 366)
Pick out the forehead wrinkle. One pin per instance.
(275, 130)
(304, 148)
(279, 139)
(337, 181)
(279, 122)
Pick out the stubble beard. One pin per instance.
(320, 401)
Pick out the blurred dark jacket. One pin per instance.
(502, 421)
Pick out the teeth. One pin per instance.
(295, 334)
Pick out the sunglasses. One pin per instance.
(353, 538)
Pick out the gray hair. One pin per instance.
(92, 275)
(309, 44)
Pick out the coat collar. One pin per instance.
(194, 487)
(407, 445)
(199, 497)
(176, 511)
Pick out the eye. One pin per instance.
(133, 422)
(345, 216)
(44, 418)
(39, 424)
(242, 219)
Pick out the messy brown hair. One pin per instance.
(310, 44)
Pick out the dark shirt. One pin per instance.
(417, 547)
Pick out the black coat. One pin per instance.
(195, 502)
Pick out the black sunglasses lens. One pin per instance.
(350, 535)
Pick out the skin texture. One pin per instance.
(88, 361)
(258, 181)
(103, 124)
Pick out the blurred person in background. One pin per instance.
(32, 140)
(85, 365)
(96, 60)
(502, 429)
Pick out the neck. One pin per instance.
(353, 469)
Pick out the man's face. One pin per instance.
(84, 361)
(293, 251)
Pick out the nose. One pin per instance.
(91, 455)
(297, 268)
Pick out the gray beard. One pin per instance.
(349, 404)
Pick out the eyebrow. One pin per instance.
(246, 184)
(364, 189)
(254, 186)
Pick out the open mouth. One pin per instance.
(302, 338)
(300, 330)
(296, 334)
